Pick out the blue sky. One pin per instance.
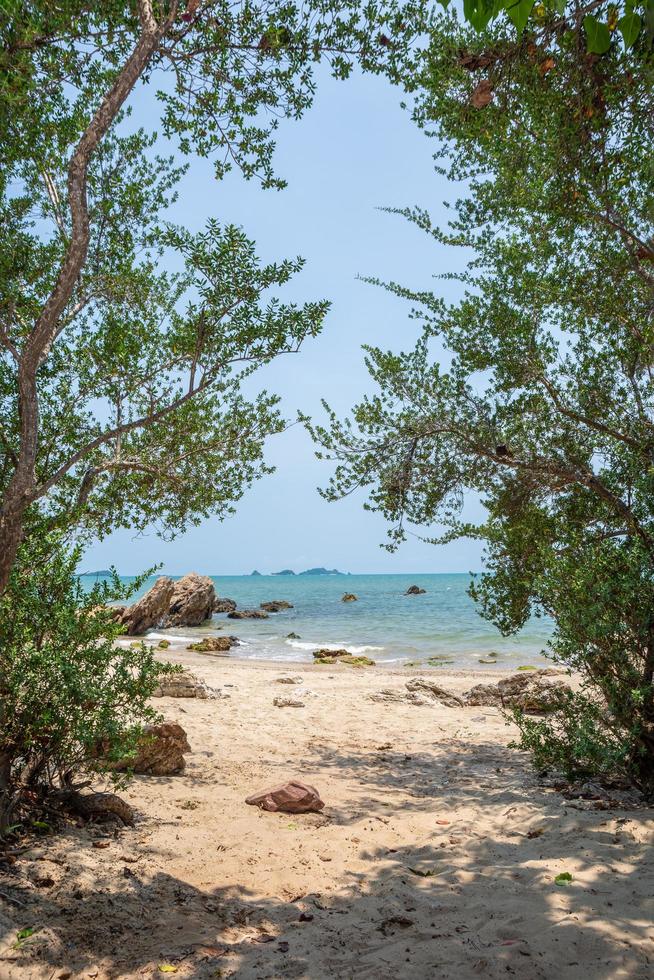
(355, 151)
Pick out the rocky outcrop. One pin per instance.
(224, 605)
(276, 605)
(182, 684)
(428, 690)
(288, 703)
(532, 692)
(160, 752)
(291, 797)
(415, 590)
(213, 644)
(150, 610)
(248, 614)
(350, 597)
(192, 601)
(325, 656)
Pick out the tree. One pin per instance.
(124, 340)
(544, 400)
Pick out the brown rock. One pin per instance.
(350, 597)
(430, 691)
(182, 684)
(531, 692)
(276, 605)
(212, 644)
(415, 590)
(160, 752)
(291, 797)
(224, 605)
(247, 614)
(342, 657)
(150, 610)
(288, 703)
(192, 601)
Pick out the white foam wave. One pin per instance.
(350, 647)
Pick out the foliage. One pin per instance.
(65, 688)
(536, 389)
(125, 340)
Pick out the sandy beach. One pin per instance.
(435, 856)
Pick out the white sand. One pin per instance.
(203, 876)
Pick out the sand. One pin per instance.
(435, 855)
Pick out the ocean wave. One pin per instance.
(350, 647)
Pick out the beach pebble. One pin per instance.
(288, 703)
(288, 679)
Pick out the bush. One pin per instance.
(65, 687)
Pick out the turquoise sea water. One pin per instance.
(385, 624)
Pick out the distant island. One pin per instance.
(255, 572)
(322, 571)
(284, 571)
(100, 574)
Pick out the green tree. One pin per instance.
(64, 687)
(543, 398)
(124, 340)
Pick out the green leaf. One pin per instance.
(563, 879)
(598, 36)
(25, 933)
(519, 14)
(630, 26)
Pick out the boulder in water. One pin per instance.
(212, 644)
(350, 597)
(415, 590)
(247, 614)
(192, 601)
(150, 610)
(224, 605)
(276, 605)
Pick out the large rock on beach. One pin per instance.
(161, 751)
(192, 601)
(224, 605)
(150, 610)
(276, 605)
(291, 797)
(532, 692)
(247, 614)
(182, 684)
(427, 690)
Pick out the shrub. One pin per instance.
(64, 686)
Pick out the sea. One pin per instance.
(441, 628)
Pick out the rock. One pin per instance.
(163, 644)
(224, 605)
(291, 797)
(287, 679)
(212, 644)
(160, 752)
(342, 657)
(350, 597)
(429, 690)
(192, 601)
(276, 605)
(247, 614)
(293, 636)
(96, 806)
(531, 692)
(415, 590)
(150, 610)
(288, 703)
(182, 684)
